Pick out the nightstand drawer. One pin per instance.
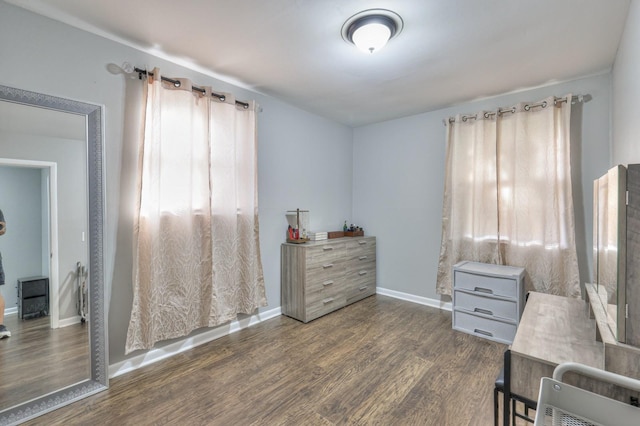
(489, 285)
(475, 302)
(493, 329)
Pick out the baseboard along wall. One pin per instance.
(155, 355)
(434, 303)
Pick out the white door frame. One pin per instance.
(54, 303)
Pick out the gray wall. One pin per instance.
(626, 88)
(304, 160)
(21, 245)
(398, 181)
(390, 175)
(69, 155)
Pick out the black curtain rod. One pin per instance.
(528, 107)
(177, 83)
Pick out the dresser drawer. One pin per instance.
(474, 302)
(485, 284)
(360, 292)
(328, 269)
(492, 329)
(361, 281)
(362, 268)
(324, 253)
(363, 244)
(324, 306)
(323, 288)
(364, 274)
(358, 257)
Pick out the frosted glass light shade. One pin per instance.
(371, 29)
(371, 37)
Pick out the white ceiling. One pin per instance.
(449, 51)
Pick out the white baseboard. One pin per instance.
(69, 321)
(155, 355)
(62, 323)
(435, 303)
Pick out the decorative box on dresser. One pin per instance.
(321, 276)
(487, 300)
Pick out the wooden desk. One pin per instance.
(552, 330)
(556, 329)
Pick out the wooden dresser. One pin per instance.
(487, 300)
(319, 277)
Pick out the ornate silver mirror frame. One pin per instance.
(97, 309)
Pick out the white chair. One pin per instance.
(563, 404)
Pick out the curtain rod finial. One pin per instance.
(127, 67)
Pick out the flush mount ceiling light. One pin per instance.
(371, 29)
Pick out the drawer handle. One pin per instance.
(483, 311)
(362, 273)
(362, 242)
(486, 333)
(363, 288)
(326, 283)
(327, 248)
(327, 301)
(327, 265)
(483, 290)
(362, 257)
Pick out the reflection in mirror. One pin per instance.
(609, 245)
(44, 331)
(52, 198)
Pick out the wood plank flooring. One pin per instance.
(380, 361)
(37, 360)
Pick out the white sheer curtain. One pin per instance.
(508, 197)
(196, 247)
(470, 207)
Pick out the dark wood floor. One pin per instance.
(37, 360)
(380, 361)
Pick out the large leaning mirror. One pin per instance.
(52, 199)
(609, 218)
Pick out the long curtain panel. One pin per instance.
(531, 196)
(196, 247)
(470, 207)
(537, 226)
